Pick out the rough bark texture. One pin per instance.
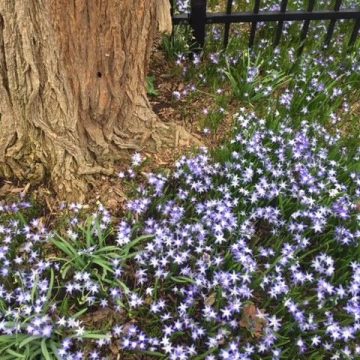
(72, 89)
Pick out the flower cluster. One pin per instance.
(41, 300)
(247, 252)
(244, 259)
(265, 228)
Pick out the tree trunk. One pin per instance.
(72, 89)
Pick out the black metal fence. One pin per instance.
(198, 17)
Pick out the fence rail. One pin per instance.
(198, 18)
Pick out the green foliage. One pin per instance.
(150, 86)
(177, 43)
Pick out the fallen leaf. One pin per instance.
(358, 206)
(251, 322)
(26, 189)
(17, 190)
(97, 316)
(5, 189)
(148, 300)
(114, 348)
(210, 300)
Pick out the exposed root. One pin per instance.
(65, 119)
(71, 177)
(153, 135)
(93, 170)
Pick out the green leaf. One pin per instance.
(45, 351)
(54, 349)
(79, 313)
(126, 289)
(27, 340)
(90, 335)
(35, 354)
(65, 269)
(34, 288)
(16, 354)
(52, 278)
(65, 247)
(150, 87)
(89, 236)
(64, 306)
(136, 241)
(100, 234)
(182, 279)
(109, 248)
(103, 264)
(7, 339)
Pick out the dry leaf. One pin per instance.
(148, 300)
(358, 206)
(114, 348)
(251, 322)
(210, 300)
(97, 316)
(26, 189)
(17, 190)
(5, 189)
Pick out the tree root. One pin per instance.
(71, 174)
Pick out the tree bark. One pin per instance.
(72, 89)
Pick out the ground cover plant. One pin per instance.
(248, 250)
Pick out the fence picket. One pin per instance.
(354, 32)
(253, 24)
(305, 28)
(332, 24)
(198, 18)
(198, 21)
(280, 23)
(227, 25)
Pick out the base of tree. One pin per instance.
(72, 90)
(71, 172)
